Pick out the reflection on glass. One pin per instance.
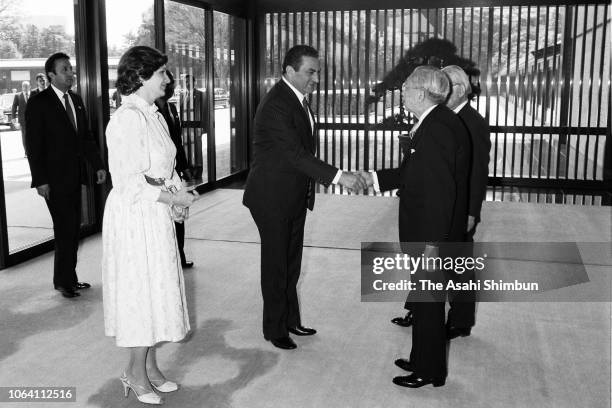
(228, 40)
(32, 30)
(128, 23)
(185, 43)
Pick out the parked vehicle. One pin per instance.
(6, 105)
(221, 98)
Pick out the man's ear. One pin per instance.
(289, 70)
(421, 93)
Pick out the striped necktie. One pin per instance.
(69, 111)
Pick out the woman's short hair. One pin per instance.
(136, 64)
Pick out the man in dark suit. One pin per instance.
(191, 101)
(59, 140)
(168, 111)
(19, 108)
(462, 312)
(432, 181)
(41, 83)
(281, 185)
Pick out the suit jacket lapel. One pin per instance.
(298, 107)
(57, 105)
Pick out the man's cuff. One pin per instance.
(375, 182)
(337, 178)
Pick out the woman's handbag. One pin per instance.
(179, 214)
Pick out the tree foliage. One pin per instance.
(18, 40)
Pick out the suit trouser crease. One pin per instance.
(65, 210)
(281, 259)
(462, 311)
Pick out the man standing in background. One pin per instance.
(59, 140)
(41, 83)
(18, 111)
(462, 312)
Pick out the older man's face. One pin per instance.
(412, 93)
(306, 78)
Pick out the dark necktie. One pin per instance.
(305, 105)
(69, 111)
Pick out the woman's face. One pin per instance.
(156, 85)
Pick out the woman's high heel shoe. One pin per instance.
(145, 397)
(167, 386)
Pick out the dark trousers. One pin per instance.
(428, 352)
(23, 137)
(281, 259)
(462, 312)
(180, 239)
(65, 209)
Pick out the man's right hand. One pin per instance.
(352, 181)
(367, 176)
(43, 191)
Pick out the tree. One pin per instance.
(8, 50)
(53, 39)
(145, 33)
(30, 42)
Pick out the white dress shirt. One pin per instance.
(60, 95)
(301, 98)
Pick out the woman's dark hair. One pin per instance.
(137, 63)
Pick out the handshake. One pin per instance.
(356, 181)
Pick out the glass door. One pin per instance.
(32, 31)
(229, 55)
(185, 39)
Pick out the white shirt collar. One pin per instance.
(422, 117)
(59, 93)
(297, 93)
(460, 106)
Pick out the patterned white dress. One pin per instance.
(143, 288)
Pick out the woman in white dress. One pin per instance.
(144, 296)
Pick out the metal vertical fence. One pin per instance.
(545, 79)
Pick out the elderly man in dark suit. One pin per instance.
(59, 140)
(461, 315)
(19, 108)
(432, 181)
(281, 186)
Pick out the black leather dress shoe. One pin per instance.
(67, 292)
(187, 264)
(454, 332)
(82, 285)
(284, 343)
(301, 331)
(414, 381)
(404, 364)
(405, 321)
